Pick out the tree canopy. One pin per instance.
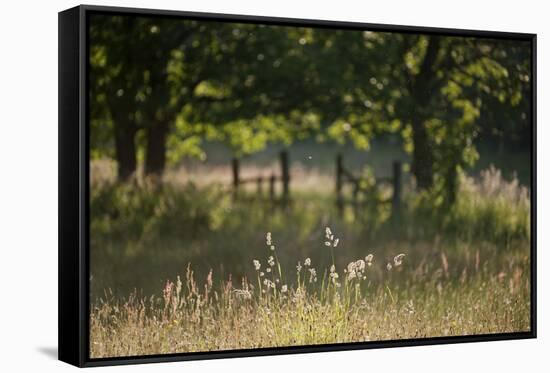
(161, 86)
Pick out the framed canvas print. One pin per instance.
(238, 185)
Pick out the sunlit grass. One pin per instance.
(342, 305)
(465, 270)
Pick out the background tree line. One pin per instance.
(161, 86)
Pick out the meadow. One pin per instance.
(182, 266)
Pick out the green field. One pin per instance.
(172, 266)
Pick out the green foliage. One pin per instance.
(252, 85)
(160, 230)
(141, 213)
(492, 209)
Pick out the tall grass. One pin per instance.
(343, 305)
(487, 208)
(460, 270)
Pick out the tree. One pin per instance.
(432, 89)
(160, 86)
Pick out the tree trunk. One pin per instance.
(125, 148)
(155, 152)
(422, 91)
(422, 160)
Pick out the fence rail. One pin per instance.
(345, 176)
(283, 178)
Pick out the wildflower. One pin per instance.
(368, 259)
(312, 275)
(268, 238)
(257, 264)
(299, 267)
(261, 274)
(389, 266)
(334, 278)
(398, 259)
(330, 240)
(307, 262)
(268, 270)
(271, 261)
(284, 289)
(356, 269)
(272, 247)
(332, 269)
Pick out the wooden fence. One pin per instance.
(344, 176)
(271, 180)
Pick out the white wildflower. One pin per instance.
(307, 262)
(284, 289)
(356, 269)
(257, 264)
(398, 259)
(368, 259)
(330, 241)
(312, 275)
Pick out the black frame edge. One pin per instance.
(70, 270)
(291, 350)
(534, 186)
(308, 22)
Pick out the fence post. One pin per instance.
(259, 185)
(355, 198)
(285, 176)
(339, 183)
(396, 198)
(272, 187)
(236, 181)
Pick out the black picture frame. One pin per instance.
(74, 187)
